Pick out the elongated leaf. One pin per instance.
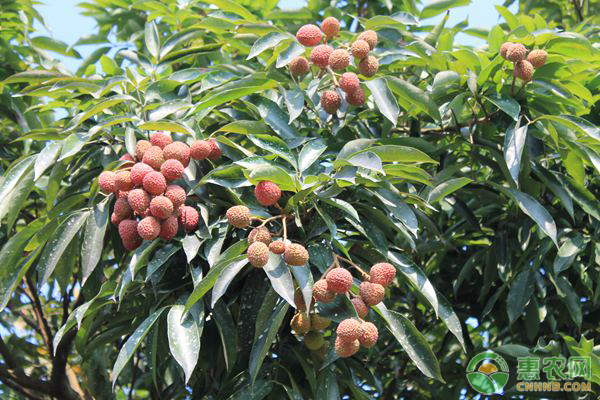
(327, 385)
(162, 255)
(266, 42)
(180, 38)
(225, 278)
(277, 119)
(169, 126)
(305, 282)
(446, 188)
(151, 38)
(514, 141)
(14, 175)
(519, 294)
(310, 153)
(46, 158)
(384, 99)
(507, 104)
(294, 101)
(281, 279)
(294, 50)
(412, 95)
(227, 332)
(12, 270)
(93, 240)
(57, 46)
(437, 7)
(184, 335)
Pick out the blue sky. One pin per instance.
(66, 24)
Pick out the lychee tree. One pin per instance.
(231, 200)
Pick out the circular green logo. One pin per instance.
(487, 373)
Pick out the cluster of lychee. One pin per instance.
(524, 64)
(310, 325)
(260, 239)
(324, 56)
(149, 204)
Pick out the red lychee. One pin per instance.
(188, 218)
(215, 150)
(239, 216)
(371, 293)
(330, 27)
(349, 82)
(382, 273)
(155, 183)
(299, 66)
(277, 247)
(330, 101)
(128, 229)
(176, 194)
(356, 98)
(140, 149)
(123, 179)
(177, 151)
(161, 207)
(346, 349)
(267, 193)
(108, 182)
(321, 292)
(368, 335)
(149, 228)
(361, 308)
(360, 49)
(348, 329)
(368, 66)
(320, 55)
(138, 172)
(172, 169)
(200, 149)
(339, 280)
(139, 200)
(258, 254)
(309, 35)
(370, 37)
(160, 139)
(339, 59)
(168, 228)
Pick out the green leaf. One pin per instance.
(399, 19)
(304, 279)
(151, 38)
(571, 299)
(267, 172)
(47, 43)
(225, 278)
(310, 153)
(277, 119)
(140, 257)
(385, 101)
(184, 335)
(367, 160)
(567, 253)
(93, 240)
(275, 145)
(14, 175)
(327, 385)
(582, 196)
(168, 126)
(162, 255)
(412, 95)
(394, 153)
(97, 108)
(33, 76)
(133, 343)
(514, 141)
(281, 280)
(507, 104)
(446, 188)
(518, 296)
(576, 123)
(266, 42)
(233, 7)
(437, 7)
(294, 101)
(227, 332)
(181, 55)
(12, 270)
(46, 158)
(180, 38)
(292, 51)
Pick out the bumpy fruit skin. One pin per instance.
(371, 293)
(172, 169)
(267, 193)
(127, 158)
(160, 139)
(295, 254)
(140, 149)
(313, 340)
(348, 330)
(188, 218)
(168, 228)
(299, 66)
(504, 49)
(215, 150)
(122, 209)
(114, 219)
(330, 101)
(155, 183)
(149, 228)
(128, 229)
(177, 151)
(349, 82)
(108, 182)
(346, 349)
(299, 300)
(320, 55)
(368, 66)
(300, 323)
(200, 149)
(370, 37)
(260, 234)
(382, 273)
(139, 200)
(321, 292)
(368, 335)
(239, 216)
(123, 180)
(277, 247)
(161, 207)
(360, 49)
(319, 323)
(153, 157)
(132, 244)
(356, 98)
(258, 254)
(524, 70)
(516, 52)
(361, 308)
(330, 27)
(138, 172)
(309, 35)
(339, 59)
(339, 280)
(176, 194)
(537, 58)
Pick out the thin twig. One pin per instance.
(354, 265)
(284, 222)
(39, 314)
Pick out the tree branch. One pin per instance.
(39, 314)
(578, 9)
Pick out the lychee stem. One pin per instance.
(284, 223)
(512, 87)
(335, 82)
(264, 222)
(365, 276)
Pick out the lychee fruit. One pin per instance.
(320, 55)
(132, 244)
(321, 292)
(371, 293)
(339, 280)
(108, 182)
(346, 349)
(138, 172)
(356, 98)
(172, 169)
(299, 300)
(123, 179)
(516, 52)
(339, 59)
(382, 273)
(128, 229)
(149, 228)
(295, 254)
(139, 200)
(215, 150)
(299, 66)
(370, 37)
(330, 27)
(177, 151)
(188, 218)
(239, 216)
(330, 101)
(277, 247)
(348, 329)
(267, 193)
(361, 308)
(140, 149)
(200, 149)
(161, 207)
(368, 335)
(360, 49)
(504, 49)
(318, 323)
(258, 254)
(168, 228)
(127, 161)
(176, 194)
(313, 340)
(368, 66)
(260, 234)
(122, 209)
(160, 139)
(349, 82)
(154, 183)
(524, 70)
(537, 58)
(300, 323)
(309, 35)
(153, 157)
(114, 219)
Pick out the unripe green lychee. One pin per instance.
(168, 228)
(140, 148)
(260, 234)
(320, 55)
(128, 229)
(295, 254)
(368, 335)
(382, 273)
(267, 193)
(215, 150)
(339, 59)
(300, 323)
(139, 200)
(368, 66)
(309, 35)
(371, 293)
(258, 254)
(321, 292)
(360, 49)
(361, 308)
(330, 27)
(346, 349)
(108, 182)
(349, 82)
(504, 49)
(516, 52)
(524, 70)
(160, 139)
(370, 37)
(348, 329)
(177, 151)
(537, 58)
(313, 340)
(153, 157)
(339, 280)
(277, 247)
(138, 172)
(188, 217)
(172, 169)
(161, 207)
(123, 180)
(200, 149)
(299, 66)
(176, 194)
(239, 216)
(149, 228)
(356, 98)
(318, 323)
(154, 182)
(330, 101)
